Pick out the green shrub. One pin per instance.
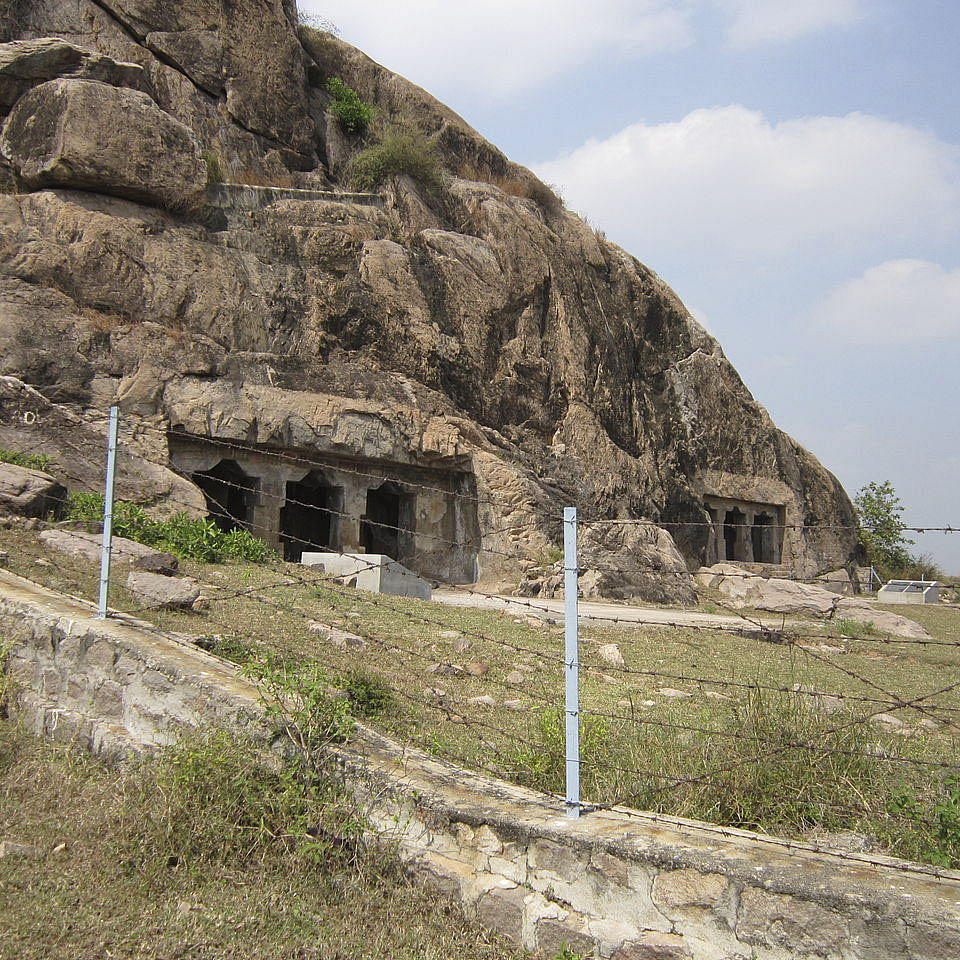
(848, 627)
(368, 696)
(200, 540)
(230, 648)
(299, 700)
(940, 835)
(397, 154)
(33, 461)
(352, 113)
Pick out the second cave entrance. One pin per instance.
(388, 523)
(310, 515)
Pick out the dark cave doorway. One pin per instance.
(229, 493)
(308, 519)
(388, 523)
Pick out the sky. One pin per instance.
(791, 168)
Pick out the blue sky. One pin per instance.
(790, 167)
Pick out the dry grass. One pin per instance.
(93, 898)
(254, 178)
(526, 187)
(643, 738)
(100, 322)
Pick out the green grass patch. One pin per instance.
(203, 852)
(188, 538)
(32, 461)
(734, 751)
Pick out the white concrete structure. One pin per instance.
(375, 572)
(910, 591)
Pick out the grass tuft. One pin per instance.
(32, 461)
(398, 153)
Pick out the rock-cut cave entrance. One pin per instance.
(230, 493)
(388, 523)
(308, 519)
(731, 533)
(766, 540)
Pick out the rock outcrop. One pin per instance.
(88, 135)
(777, 595)
(29, 493)
(477, 327)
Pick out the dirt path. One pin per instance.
(624, 614)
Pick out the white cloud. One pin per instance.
(726, 182)
(901, 301)
(757, 22)
(501, 46)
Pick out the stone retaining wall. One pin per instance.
(617, 883)
(240, 196)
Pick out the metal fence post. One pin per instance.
(108, 512)
(571, 591)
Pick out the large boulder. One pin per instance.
(863, 612)
(156, 590)
(88, 546)
(777, 595)
(636, 560)
(30, 423)
(247, 47)
(88, 135)
(29, 493)
(26, 63)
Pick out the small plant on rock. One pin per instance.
(32, 461)
(353, 114)
(398, 153)
(214, 166)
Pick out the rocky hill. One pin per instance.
(453, 327)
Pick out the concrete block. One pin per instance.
(375, 572)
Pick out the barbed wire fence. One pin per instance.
(850, 720)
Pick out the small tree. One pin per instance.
(881, 528)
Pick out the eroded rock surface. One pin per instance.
(89, 135)
(29, 493)
(479, 327)
(778, 595)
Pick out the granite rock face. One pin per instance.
(479, 327)
(88, 135)
(26, 63)
(29, 493)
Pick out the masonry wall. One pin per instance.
(615, 884)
